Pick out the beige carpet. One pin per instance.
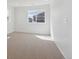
(29, 46)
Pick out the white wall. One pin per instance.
(10, 21)
(21, 24)
(61, 13)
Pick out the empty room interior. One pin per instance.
(39, 29)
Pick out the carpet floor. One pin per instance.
(31, 46)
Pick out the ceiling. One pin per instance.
(27, 2)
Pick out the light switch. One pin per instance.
(65, 20)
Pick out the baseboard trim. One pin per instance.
(60, 50)
(31, 33)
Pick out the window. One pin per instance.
(36, 16)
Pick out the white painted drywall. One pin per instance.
(61, 17)
(21, 24)
(10, 21)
